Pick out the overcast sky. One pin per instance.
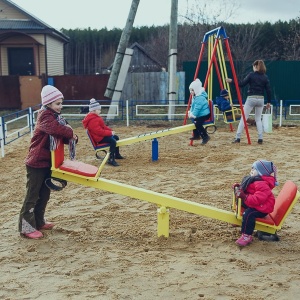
(97, 14)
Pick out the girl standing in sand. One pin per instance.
(49, 129)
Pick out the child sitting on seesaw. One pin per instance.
(101, 133)
(199, 111)
(257, 197)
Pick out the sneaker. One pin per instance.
(205, 140)
(193, 138)
(235, 141)
(260, 141)
(244, 240)
(47, 226)
(33, 235)
(119, 156)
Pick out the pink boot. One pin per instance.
(244, 240)
(47, 226)
(34, 235)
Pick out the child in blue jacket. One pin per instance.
(224, 105)
(199, 111)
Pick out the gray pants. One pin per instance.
(256, 102)
(36, 199)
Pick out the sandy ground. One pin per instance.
(105, 246)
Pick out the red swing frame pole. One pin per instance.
(235, 80)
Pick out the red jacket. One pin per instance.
(96, 127)
(39, 155)
(260, 195)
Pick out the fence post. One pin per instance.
(127, 113)
(2, 136)
(31, 121)
(280, 114)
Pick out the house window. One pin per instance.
(20, 61)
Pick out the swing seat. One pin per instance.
(284, 203)
(211, 120)
(232, 115)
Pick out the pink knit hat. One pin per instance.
(50, 94)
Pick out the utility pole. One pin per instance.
(172, 69)
(121, 50)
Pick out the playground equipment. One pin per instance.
(101, 149)
(89, 175)
(284, 203)
(216, 58)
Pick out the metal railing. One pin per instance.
(17, 124)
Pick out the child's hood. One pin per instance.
(88, 118)
(270, 180)
(196, 85)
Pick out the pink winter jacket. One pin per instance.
(260, 195)
(96, 127)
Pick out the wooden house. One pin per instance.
(30, 51)
(28, 46)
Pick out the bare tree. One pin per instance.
(209, 13)
(290, 43)
(158, 45)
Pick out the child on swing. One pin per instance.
(224, 104)
(257, 197)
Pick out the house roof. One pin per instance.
(137, 47)
(20, 25)
(32, 25)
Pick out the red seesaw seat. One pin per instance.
(284, 203)
(76, 167)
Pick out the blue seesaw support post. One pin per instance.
(154, 149)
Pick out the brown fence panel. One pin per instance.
(85, 87)
(10, 92)
(30, 90)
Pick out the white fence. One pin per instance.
(15, 128)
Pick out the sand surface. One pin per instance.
(105, 246)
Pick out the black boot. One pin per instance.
(118, 155)
(205, 140)
(111, 160)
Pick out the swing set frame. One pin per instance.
(213, 39)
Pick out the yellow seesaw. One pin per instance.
(89, 175)
(211, 127)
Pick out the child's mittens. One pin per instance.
(235, 186)
(192, 116)
(112, 133)
(240, 194)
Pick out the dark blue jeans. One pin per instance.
(112, 141)
(200, 130)
(249, 217)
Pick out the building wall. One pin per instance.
(4, 61)
(9, 12)
(55, 57)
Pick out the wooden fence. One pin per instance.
(150, 86)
